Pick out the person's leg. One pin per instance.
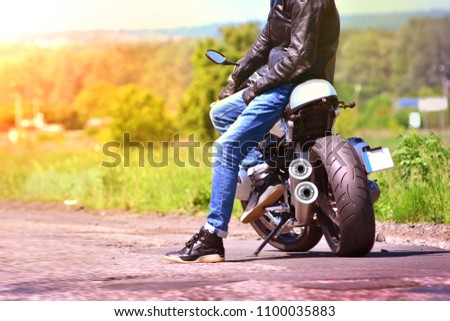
(243, 135)
(247, 130)
(224, 112)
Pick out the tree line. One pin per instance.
(374, 67)
(156, 89)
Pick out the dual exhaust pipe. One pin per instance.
(305, 191)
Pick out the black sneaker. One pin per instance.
(203, 247)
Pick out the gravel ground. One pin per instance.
(435, 235)
(58, 252)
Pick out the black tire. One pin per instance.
(347, 215)
(297, 239)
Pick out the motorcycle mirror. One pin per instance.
(217, 58)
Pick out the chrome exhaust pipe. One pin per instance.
(306, 192)
(300, 169)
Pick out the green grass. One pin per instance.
(58, 176)
(417, 190)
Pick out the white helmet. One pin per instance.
(311, 91)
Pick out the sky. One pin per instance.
(36, 16)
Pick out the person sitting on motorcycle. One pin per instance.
(299, 42)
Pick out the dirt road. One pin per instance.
(53, 252)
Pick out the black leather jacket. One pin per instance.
(299, 42)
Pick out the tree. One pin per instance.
(421, 46)
(55, 76)
(365, 58)
(141, 113)
(94, 101)
(378, 114)
(131, 109)
(209, 79)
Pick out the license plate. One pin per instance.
(378, 159)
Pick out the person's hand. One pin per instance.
(229, 90)
(248, 95)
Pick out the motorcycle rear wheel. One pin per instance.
(292, 239)
(347, 214)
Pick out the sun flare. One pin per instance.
(26, 16)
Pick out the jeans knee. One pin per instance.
(214, 113)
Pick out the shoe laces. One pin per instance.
(190, 244)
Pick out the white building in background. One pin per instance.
(27, 126)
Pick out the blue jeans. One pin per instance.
(242, 127)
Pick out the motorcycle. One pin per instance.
(328, 192)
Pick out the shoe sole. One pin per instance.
(214, 258)
(270, 196)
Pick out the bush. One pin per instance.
(141, 113)
(378, 114)
(418, 189)
(128, 109)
